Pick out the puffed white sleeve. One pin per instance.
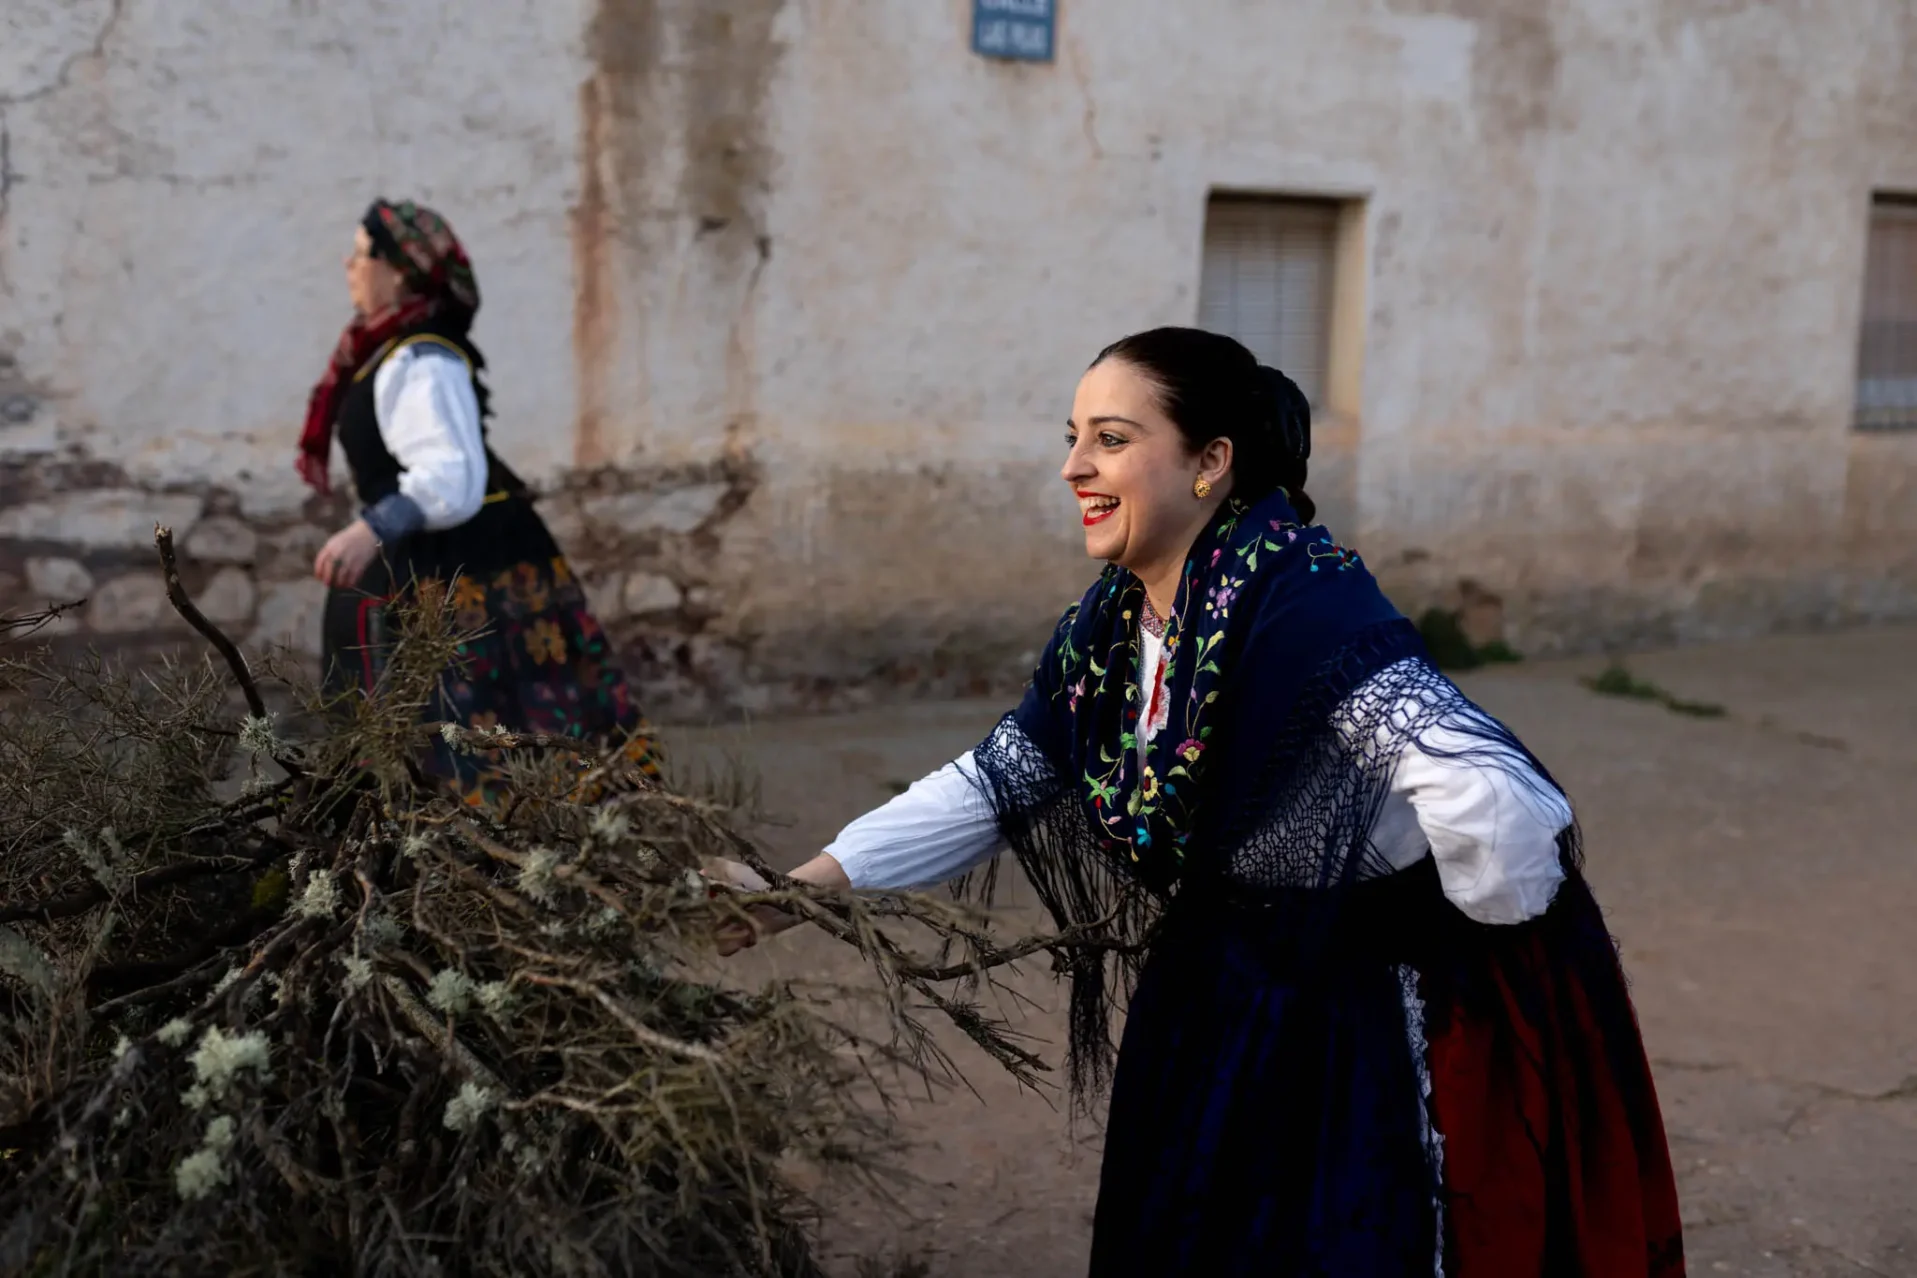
(936, 830)
(1492, 823)
(429, 421)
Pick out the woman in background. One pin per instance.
(402, 394)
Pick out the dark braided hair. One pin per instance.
(1213, 388)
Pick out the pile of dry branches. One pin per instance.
(272, 1002)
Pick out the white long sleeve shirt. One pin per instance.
(429, 421)
(1494, 836)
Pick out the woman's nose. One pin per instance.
(1076, 468)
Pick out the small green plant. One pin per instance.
(1452, 649)
(270, 891)
(1616, 680)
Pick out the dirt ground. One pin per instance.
(1759, 869)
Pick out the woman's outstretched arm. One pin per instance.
(936, 830)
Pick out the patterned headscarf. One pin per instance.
(441, 291)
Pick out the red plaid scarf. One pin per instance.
(440, 288)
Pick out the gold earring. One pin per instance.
(1201, 488)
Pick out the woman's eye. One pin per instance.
(1071, 440)
(1110, 441)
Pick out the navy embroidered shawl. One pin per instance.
(1293, 686)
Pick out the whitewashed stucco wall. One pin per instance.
(787, 299)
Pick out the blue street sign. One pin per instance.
(1020, 29)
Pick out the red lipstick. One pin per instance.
(1098, 514)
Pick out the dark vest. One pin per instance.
(504, 532)
(375, 470)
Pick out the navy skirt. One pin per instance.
(1265, 1119)
(1416, 1094)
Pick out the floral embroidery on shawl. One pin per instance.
(1146, 809)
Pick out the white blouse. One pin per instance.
(1494, 836)
(429, 421)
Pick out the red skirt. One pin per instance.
(1555, 1160)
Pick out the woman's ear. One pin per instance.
(1214, 461)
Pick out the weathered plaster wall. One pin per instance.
(785, 299)
(1633, 415)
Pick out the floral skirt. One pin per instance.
(534, 658)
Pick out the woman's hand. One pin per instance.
(762, 921)
(343, 560)
(734, 935)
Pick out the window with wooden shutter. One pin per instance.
(1268, 280)
(1887, 343)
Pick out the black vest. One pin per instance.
(375, 470)
(504, 532)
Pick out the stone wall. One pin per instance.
(640, 542)
(785, 300)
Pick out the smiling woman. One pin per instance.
(1379, 1026)
(403, 396)
(1147, 468)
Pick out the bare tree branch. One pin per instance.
(182, 604)
(20, 626)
